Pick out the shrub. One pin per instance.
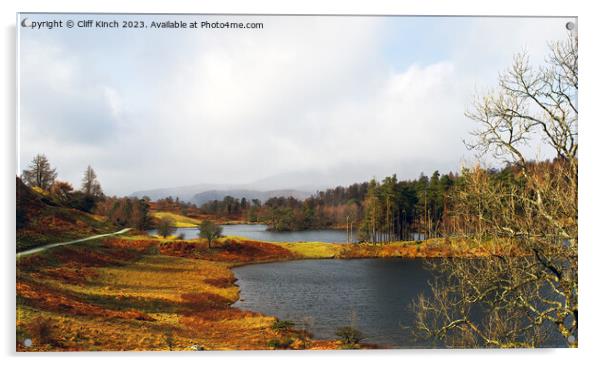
(349, 336)
(282, 326)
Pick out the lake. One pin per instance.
(372, 295)
(259, 232)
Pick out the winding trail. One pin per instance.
(52, 245)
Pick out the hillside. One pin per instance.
(262, 189)
(185, 193)
(41, 221)
(204, 197)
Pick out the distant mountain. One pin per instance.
(280, 185)
(202, 198)
(185, 193)
(299, 184)
(202, 193)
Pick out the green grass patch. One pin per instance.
(312, 250)
(180, 221)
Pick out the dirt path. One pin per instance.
(52, 245)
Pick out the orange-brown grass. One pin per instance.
(228, 250)
(437, 247)
(135, 293)
(121, 294)
(67, 303)
(42, 221)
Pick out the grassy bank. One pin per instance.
(431, 248)
(124, 294)
(61, 225)
(140, 293)
(41, 221)
(182, 221)
(179, 221)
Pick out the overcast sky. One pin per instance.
(321, 100)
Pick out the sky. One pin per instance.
(303, 102)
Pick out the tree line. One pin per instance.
(379, 211)
(175, 205)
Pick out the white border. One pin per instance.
(590, 252)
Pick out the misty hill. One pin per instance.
(295, 185)
(185, 193)
(202, 198)
(202, 193)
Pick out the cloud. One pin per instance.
(303, 94)
(61, 99)
(318, 100)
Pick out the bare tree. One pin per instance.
(40, 174)
(351, 213)
(525, 292)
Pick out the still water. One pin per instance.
(259, 232)
(372, 295)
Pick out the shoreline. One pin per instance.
(374, 252)
(135, 287)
